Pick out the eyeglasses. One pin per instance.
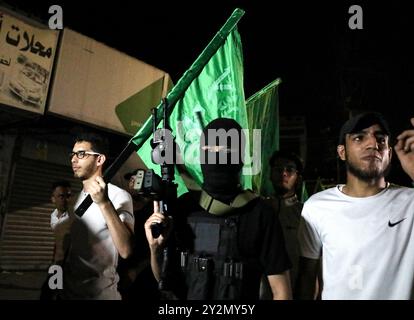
(288, 169)
(82, 154)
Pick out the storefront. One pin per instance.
(80, 84)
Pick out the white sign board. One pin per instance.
(26, 61)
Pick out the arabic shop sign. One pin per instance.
(26, 60)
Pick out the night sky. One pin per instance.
(327, 69)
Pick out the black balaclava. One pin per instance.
(222, 181)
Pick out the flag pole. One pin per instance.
(272, 84)
(185, 81)
(173, 96)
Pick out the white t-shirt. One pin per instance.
(90, 269)
(367, 243)
(56, 221)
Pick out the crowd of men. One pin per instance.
(223, 242)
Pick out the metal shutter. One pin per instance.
(27, 241)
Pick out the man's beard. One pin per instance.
(79, 175)
(369, 174)
(86, 173)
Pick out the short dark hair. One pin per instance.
(60, 183)
(98, 143)
(291, 156)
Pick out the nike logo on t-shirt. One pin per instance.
(392, 224)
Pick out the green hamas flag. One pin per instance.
(319, 186)
(263, 114)
(211, 88)
(304, 196)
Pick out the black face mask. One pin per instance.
(222, 181)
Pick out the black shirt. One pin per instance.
(260, 239)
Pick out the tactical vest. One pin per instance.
(214, 268)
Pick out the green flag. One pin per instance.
(319, 186)
(211, 88)
(304, 193)
(263, 114)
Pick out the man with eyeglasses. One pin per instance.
(286, 176)
(103, 232)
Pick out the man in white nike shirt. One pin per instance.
(364, 228)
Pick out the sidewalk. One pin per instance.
(21, 285)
